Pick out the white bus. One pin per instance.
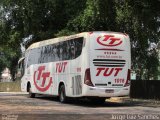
(95, 65)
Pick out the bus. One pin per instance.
(94, 65)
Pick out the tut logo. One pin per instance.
(109, 40)
(61, 67)
(108, 71)
(41, 75)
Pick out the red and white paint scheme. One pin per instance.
(89, 64)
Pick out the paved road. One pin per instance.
(17, 106)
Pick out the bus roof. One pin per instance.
(64, 38)
(54, 40)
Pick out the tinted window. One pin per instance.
(66, 50)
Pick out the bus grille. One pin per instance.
(77, 85)
(109, 62)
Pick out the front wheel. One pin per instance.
(31, 95)
(62, 94)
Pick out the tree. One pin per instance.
(98, 15)
(43, 19)
(140, 19)
(39, 19)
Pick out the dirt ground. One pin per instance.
(20, 107)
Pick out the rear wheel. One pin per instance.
(62, 94)
(31, 95)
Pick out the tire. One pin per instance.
(62, 94)
(31, 95)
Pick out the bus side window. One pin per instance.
(79, 46)
(21, 68)
(73, 49)
(65, 51)
(61, 49)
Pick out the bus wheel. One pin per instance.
(62, 94)
(31, 95)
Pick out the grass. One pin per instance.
(10, 86)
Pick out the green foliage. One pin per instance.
(2, 64)
(64, 32)
(98, 15)
(140, 20)
(45, 19)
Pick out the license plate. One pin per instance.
(109, 91)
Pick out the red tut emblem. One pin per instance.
(108, 71)
(44, 76)
(109, 40)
